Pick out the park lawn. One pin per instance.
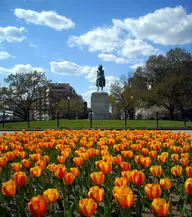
(80, 124)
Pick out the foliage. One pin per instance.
(22, 90)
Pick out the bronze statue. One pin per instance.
(100, 82)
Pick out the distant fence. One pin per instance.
(6, 118)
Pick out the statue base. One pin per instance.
(100, 106)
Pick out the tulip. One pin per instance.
(87, 206)
(125, 166)
(51, 167)
(10, 155)
(176, 170)
(189, 171)
(153, 154)
(188, 186)
(26, 163)
(75, 171)
(174, 157)
(118, 159)
(146, 161)
(137, 177)
(122, 181)
(68, 178)
(145, 151)
(60, 170)
(9, 188)
(3, 161)
(37, 206)
(41, 163)
(124, 196)
(51, 195)
(20, 178)
(96, 193)
(163, 157)
(36, 171)
(160, 207)
(104, 167)
(97, 177)
(78, 161)
(127, 175)
(184, 161)
(165, 183)
(46, 158)
(156, 170)
(16, 167)
(61, 159)
(152, 191)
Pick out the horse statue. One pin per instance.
(100, 82)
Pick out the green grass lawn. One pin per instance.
(79, 124)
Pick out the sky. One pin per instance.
(68, 39)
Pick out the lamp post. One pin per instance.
(68, 100)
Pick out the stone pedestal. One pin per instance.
(100, 106)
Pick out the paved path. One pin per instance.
(187, 131)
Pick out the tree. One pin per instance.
(73, 109)
(22, 90)
(168, 79)
(123, 97)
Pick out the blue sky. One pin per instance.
(68, 39)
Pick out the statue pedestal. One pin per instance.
(100, 106)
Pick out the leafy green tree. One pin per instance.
(22, 91)
(168, 79)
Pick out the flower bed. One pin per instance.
(95, 173)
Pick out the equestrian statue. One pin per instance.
(100, 82)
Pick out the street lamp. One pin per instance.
(68, 100)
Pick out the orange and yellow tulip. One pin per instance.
(51, 195)
(3, 161)
(104, 167)
(146, 161)
(75, 170)
(51, 167)
(174, 157)
(26, 163)
(184, 161)
(16, 167)
(9, 188)
(188, 186)
(137, 177)
(189, 171)
(96, 193)
(20, 178)
(60, 171)
(160, 207)
(97, 177)
(36, 171)
(127, 175)
(176, 170)
(125, 166)
(156, 170)
(38, 206)
(165, 183)
(61, 159)
(122, 181)
(152, 191)
(68, 178)
(78, 161)
(124, 196)
(153, 154)
(118, 159)
(87, 206)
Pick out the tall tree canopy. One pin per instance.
(21, 92)
(169, 80)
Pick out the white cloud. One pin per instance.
(166, 26)
(45, 18)
(12, 34)
(33, 45)
(112, 58)
(135, 66)
(69, 68)
(20, 68)
(4, 55)
(103, 39)
(132, 48)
